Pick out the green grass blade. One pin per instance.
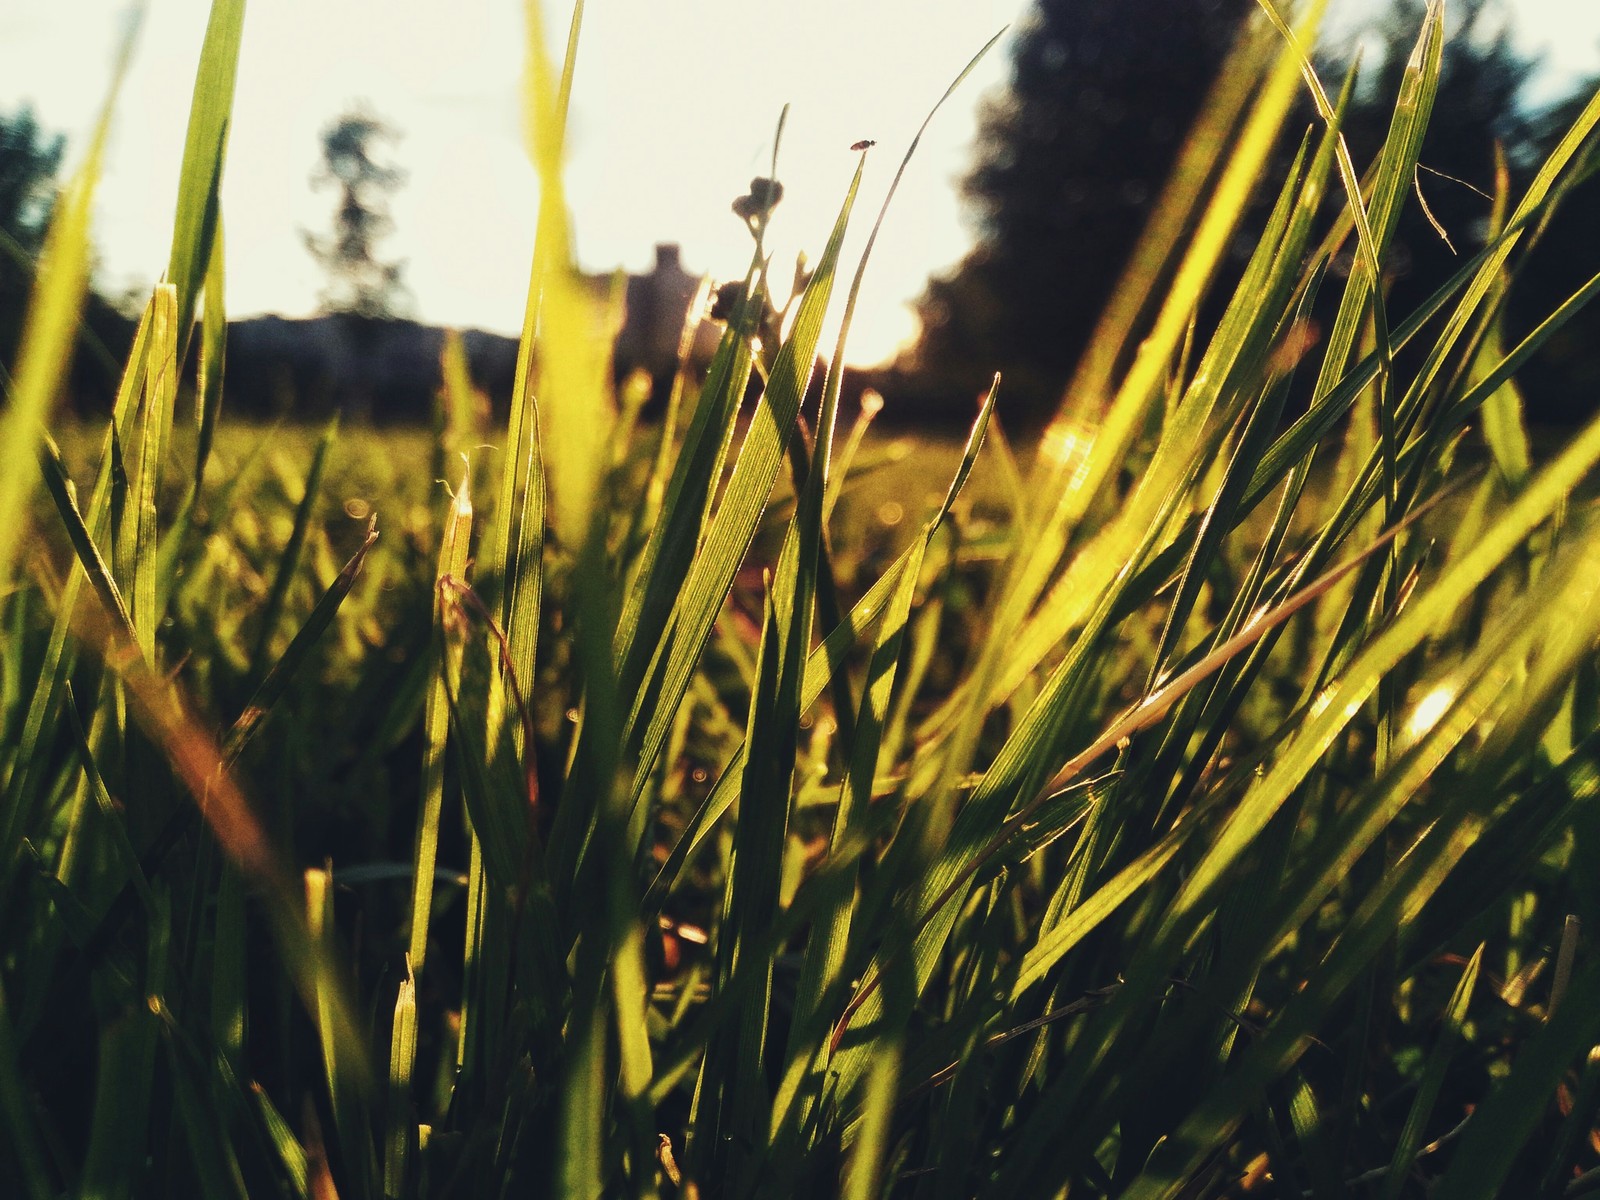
(89, 558)
(1138, 389)
(435, 726)
(1564, 629)
(161, 393)
(824, 661)
(667, 555)
(289, 560)
(195, 228)
(734, 525)
(514, 549)
(51, 327)
(825, 952)
(111, 814)
(571, 347)
(289, 1150)
(346, 1088)
(1432, 1081)
(401, 1124)
(271, 689)
(1161, 240)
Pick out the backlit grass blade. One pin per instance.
(864, 1170)
(1335, 707)
(398, 1118)
(289, 559)
(347, 1090)
(669, 550)
(823, 662)
(51, 326)
(734, 525)
(213, 354)
(514, 549)
(760, 834)
(90, 560)
(1397, 900)
(22, 795)
(208, 409)
(1489, 272)
(291, 1154)
(1015, 784)
(830, 936)
(1160, 242)
(1395, 171)
(161, 393)
(260, 704)
(1565, 630)
(1095, 567)
(1138, 388)
(571, 347)
(196, 226)
(1432, 1081)
(453, 555)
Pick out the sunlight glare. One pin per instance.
(1428, 710)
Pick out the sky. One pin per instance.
(674, 110)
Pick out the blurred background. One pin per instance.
(378, 186)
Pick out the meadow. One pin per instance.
(1197, 800)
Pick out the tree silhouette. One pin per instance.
(1475, 110)
(359, 282)
(1562, 381)
(1069, 159)
(1072, 154)
(29, 160)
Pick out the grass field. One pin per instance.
(1198, 802)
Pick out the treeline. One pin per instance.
(1074, 153)
(1071, 157)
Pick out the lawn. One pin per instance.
(1198, 800)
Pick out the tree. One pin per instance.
(359, 282)
(1476, 109)
(1069, 159)
(1562, 381)
(29, 160)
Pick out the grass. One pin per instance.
(1201, 805)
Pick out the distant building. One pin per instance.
(388, 370)
(656, 312)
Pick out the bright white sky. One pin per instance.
(673, 112)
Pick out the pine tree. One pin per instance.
(359, 282)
